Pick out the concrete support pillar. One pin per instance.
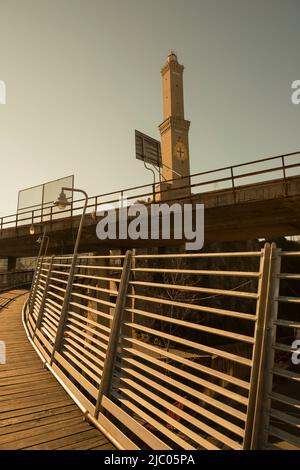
(11, 263)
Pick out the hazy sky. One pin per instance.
(81, 75)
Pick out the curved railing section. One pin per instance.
(159, 351)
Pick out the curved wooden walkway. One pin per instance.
(35, 411)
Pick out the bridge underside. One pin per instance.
(264, 210)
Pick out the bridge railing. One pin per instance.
(13, 279)
(281, 167)
(159, 351)
(279, 427)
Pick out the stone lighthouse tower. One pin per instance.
(174, 132)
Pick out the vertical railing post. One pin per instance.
(232, 182)
(284, 176)
(35, 284)
(260, 438)
(153, 192)
(262, 291)
(64, 310)
(112, 347)
(44, 297)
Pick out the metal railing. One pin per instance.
(159, 351)
(281, 415)
(12, 279)
(229, 178)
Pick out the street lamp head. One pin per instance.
(32, 230)
(62, 201)
(39, 240)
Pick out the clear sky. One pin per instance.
(81, 75)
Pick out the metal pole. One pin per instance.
(232, 182)
(35, 278)
(65, 306)
(41, 310)
(260, 438)
(263, 286)
(284, 176)
(113, 342)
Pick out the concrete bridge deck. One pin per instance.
(35, 411)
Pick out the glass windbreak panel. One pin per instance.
(51, 193)
(30, 197)
(37, 203)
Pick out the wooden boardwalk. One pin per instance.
(35, 411)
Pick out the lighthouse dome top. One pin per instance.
(172, 57)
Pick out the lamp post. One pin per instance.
(34, 284)
(62, 202)
(40, 240)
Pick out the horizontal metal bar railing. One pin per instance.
(12, 279)
(37, 215)
(158, 357)
(281, 417)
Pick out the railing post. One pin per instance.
(111, 353)
(284, 176)
(35, 284)
(260, 438)
(232, 182)
(262, 290)
(44, 298)
(153, 192)
(64, 310)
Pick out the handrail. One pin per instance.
(44, 212)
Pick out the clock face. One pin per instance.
(180, 151)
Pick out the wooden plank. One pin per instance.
(35, 410)
(81, 440)
(84, 443)
(39, 422)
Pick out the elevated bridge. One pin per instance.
(259, 199)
